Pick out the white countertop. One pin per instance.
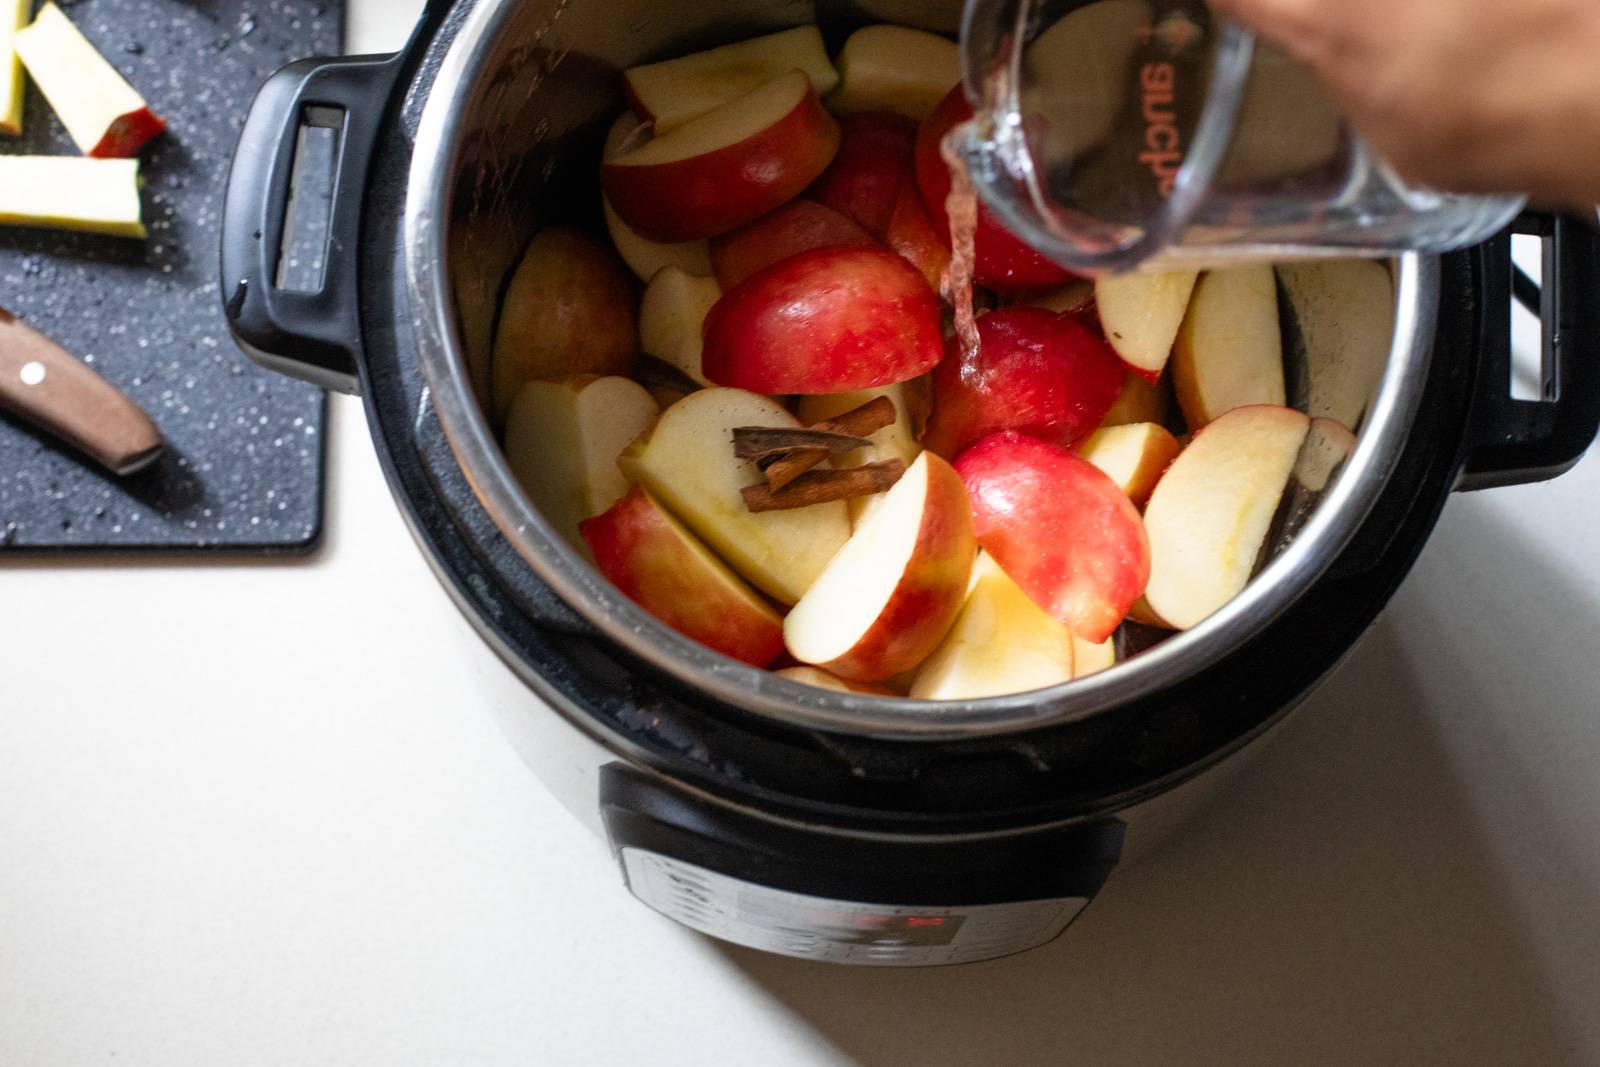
(254, 813)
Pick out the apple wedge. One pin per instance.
(675, 91)
(1134, 456)
(1229, 351)
(1093, 657)
(671, 317)
(71, 193)
(1141, 315)
(687, 462)
(14, 15)
(895, 68)
(1037, 372)
(642, 255)
(875, 155)
(1001, 643)
(569, 309)
(563, 439)
(727, 167)
(898, 440)
(825, 321)
(104, 115)
(1060, 527)
(798, 226)
(823, 680)
(1345, 310)
(662, 567)
(886, 599)
(1210, 513)
(1141, 400)
(912, 235)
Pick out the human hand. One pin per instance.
(1472, 96)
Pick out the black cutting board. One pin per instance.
(243, 470)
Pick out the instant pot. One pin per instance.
(827, 825)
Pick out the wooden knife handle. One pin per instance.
(45, 384)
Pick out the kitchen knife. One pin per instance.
(45, 384)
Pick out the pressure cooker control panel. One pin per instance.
(849, 894)
(842, 931)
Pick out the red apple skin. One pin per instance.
(825, 321)
(913, 236)
(129, 133)
(1039, 372)
(798, 226)
(930, 592)
(876, 149)
(721, 190)
(1060, 527)
(1001, 262)
(644, 554)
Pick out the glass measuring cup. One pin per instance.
(1113, 134)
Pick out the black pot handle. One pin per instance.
(1512, 442)
(314, 335)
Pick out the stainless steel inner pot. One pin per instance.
(509, 139)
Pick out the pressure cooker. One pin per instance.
(838, 826)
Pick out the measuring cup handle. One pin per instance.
(1513, 442)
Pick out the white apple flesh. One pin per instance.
(1210, 513)
(885, 601)
(1134, 455)
(71, 193)
(1141, 314)
(563, 439)
(1001, 643)
(14, 15)
(104, 115)
(642, 255)
(671, 315)
(895, 68)
(675, 91)
(687, 462)
(1229, 351)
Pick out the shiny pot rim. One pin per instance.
(430, 191)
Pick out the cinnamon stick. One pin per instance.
(859, 422)
(762, 443)
(822, 487)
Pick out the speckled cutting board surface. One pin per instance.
(243, 469)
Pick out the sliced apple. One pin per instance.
(1210, 513)
(1093, 657)
(675, 91)
(687, 462)
(1141, 314)
(823, 680)
(1140, 401)
(642, 255)
(875, 155)
(798, 226)
(659, 565)
(1037, 372)
(104, 115)
(895, 68)
(563, 439)
(671, 317)
(1134, 456)
(886, 599)
(898, 440)
(71, 193)
(1001, 643)
(912, 234)
(825, 321)
(1345, 310)
(569, 310)
(14, 15)
(1229, 351)
(1060, 527)
(727, 167)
